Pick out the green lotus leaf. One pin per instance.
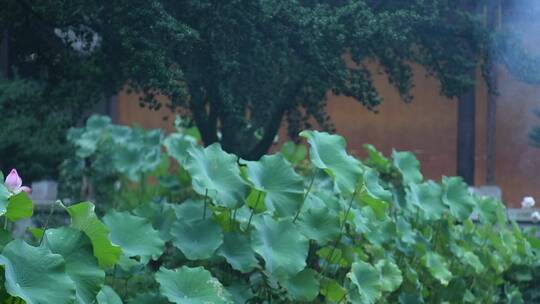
(474, 261)
(135, 235)
(469, 297)
(120, 134)
(283, 248)
(236, 249)
(255, 201)
(283, 187)
(224, 217)
(376, 159)
(468, 257)
(87, 138)
(107, 295)
(129, 264)
(135, 151)
(197, 239)
(383, 230)
(19, 207)
(4, 197)
(437, 267)
(330, 254)
(428, 198)
(81, 265)
(84, 218)
(361, 222)
(240, 292)
(319, 224)
(405, 231)
(293, 153)
(191, 131)
(36, 275)
(128, 160)
(408, 166)
(149, 298)
(5, 238)
(162, 216)
(328, 152)
(373, 194)
(98, 122)
(152, 159)
(191, 210)
(490, 210)
(513, 295)
(132, 160)
(410, 298)
(390, 275)
(215, 173)
(37, 233)
(332, 290)
(187, 285)
(177, 145)
(304, 286)
(457, 197)
(366, 279)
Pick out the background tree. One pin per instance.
(240, 67)
(259, 62)
(62, 58)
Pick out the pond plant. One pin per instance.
(175, 222)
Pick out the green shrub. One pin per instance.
(35, 119)
(209, 227)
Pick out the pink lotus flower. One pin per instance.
(14, 183)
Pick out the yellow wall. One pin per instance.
(129, 112)
(427, 127)
(518, 164)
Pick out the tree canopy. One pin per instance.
(256, 63)
(65, 57)
(240, 67)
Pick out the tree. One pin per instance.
(258, 62)
(61, 58)
(242, 67)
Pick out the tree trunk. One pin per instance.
(246, 145)
(466, 119)
(4, 54)
(466, 136)
(203, 113)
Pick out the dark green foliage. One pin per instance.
(219, 229)
(52, 84)
(32, 137)
(242, 67)
(257, 62)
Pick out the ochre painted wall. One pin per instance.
(129, 112)
(518, 164)
(427, 127)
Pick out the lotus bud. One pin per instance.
(13, 181)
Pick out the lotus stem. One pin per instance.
(205, 203)
(254, 208)
(329, 258)
(304, 198)
(47, 220)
